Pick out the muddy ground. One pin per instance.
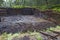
(38, 20)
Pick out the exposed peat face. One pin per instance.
(25, 19)
(22, 11)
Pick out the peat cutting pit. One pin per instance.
(22, 20)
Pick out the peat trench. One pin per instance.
(23, 23)
(27, 20)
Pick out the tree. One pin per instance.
(1, 1)
(7, 3)
(46, 2)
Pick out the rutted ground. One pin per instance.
(23, 24)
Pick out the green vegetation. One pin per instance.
(10, 36)
(57, 28)
(40, 4)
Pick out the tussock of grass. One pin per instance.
(57, 28)
(10, 36)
